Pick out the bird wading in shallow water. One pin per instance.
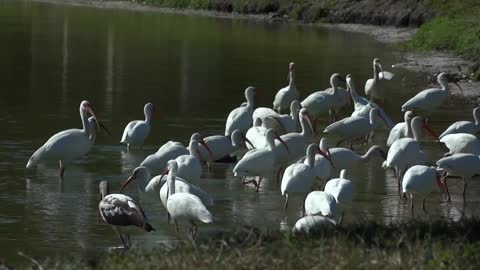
(67, 145)
(121, 210)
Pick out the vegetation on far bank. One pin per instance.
(456, 28)
(412, 245)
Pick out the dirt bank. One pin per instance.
(428, 62)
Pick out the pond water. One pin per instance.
(195, 69)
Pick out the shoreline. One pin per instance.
(429, 62)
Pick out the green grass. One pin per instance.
(456, 28)
(413, 245)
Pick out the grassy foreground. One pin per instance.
(413, 245)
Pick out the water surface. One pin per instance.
(195, 69)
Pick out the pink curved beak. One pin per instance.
(90, 111)
(381, 117)
(309, 121)
(326, 155)
(430, 130)
(246, 140)
(208, 148)
(165, 171)
(282, 141)
(129, 180)
(199, 155)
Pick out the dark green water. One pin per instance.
(195, 70)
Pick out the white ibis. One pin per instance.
(221, 147)
(401, 130)
(407, 152)
(170, 150)
(241, 118)
(344, 158)
(463, 165)
(137, 131)
(430, 99)
(312, 224)
(183, 206)
(257, 135)
(362, 106)
(420, 180)
(332, 98)
(142, 175)
(281, 123)
(322, 167)
(373, 87)
(297, 142)
(465, 126)
(121, 210)
(354, 126)
(320, 203)
(68, 145)
(286, 95)
(262, 112)
(461, 143)
(299, 177)
(259, 162)
(341, 189)
(189, 166)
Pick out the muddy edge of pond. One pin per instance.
(425, 62)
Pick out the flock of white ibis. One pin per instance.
(280, 146)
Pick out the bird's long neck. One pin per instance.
(353, 92)
(373, 118)
(305, 130)
(334, 86)
(192, 148)
(409, 128)
(416, 130)
(250, 104)
(443, 84)
(311, 159)
(271, 143)
(376, 71)
(171, 183)
(86, 125)
(291, 78)
(294, 116)
(368, 155)
(148, 116)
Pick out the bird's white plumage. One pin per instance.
(341, 189)
(286, 95)
(464, 126)
(241, 118)
(419, 180)
(461, 143)
(156, 162)
(220, 146)
(183, 186)
(67, 145)
(429, 99)
(311, 224)
(320, 203)
(137, 131)
(400, 130)
(298, 177)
